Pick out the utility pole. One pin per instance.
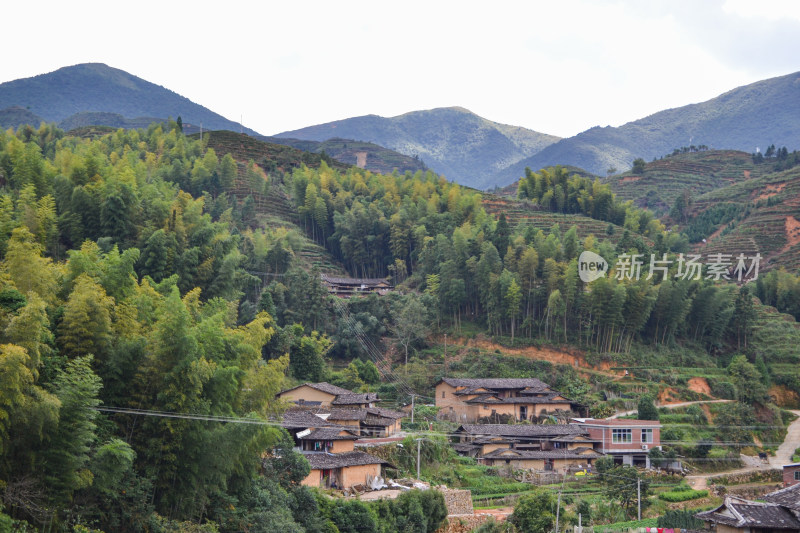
(419, 442)
(412, 408)
(445, 354)
(639, 497)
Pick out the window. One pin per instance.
(442, 394)
(797, 475)
(647, 436)
(486, 407)
(621, 436)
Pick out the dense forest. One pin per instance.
(135, 287)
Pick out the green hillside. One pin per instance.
(698, 172)
(15, 116)
(99, 88)
(377, 158)
(452, 141)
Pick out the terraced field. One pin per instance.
(273, 209)
(664, 180)
(771, 225)
(524, 212)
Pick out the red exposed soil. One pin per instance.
(571, 357)
(700, 386)
(792, 233)
(630, 178)
(770, 190)
(746, 174)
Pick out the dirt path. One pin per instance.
(700, 481)
(783, 455)
(671, 406)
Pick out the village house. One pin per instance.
(548, 461)
(524, 399)
(330, 450)
(369, 421)
(627, 441)
(780, 513)
(326, 395)
(342, 470)
(544, 447)
(347, 287)
(788, 497)
(791, 474)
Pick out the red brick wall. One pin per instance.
(789, 473)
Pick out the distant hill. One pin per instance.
(755, 115)
(95, 87)
(452, 141)
(374, 158)
(15, 116)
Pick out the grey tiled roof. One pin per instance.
(355, 398)
(497, 383)
(744, 513)
(303, 418)
(505, 453)
(521, 430)
(366, 413)
(330, 433)
(320, 460)
(788, 497)
(490, 399)
(322, 386)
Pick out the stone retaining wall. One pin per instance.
(459, 502)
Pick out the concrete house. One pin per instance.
(468, 400)
(628, 441)
(791, 474)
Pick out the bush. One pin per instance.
(680, 518)
(683, 495)
(723, 389)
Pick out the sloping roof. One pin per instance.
(521, 430)
(365, 413)
(330, 433)
(616, 422)
(497, 383)
(355, 398)
(303, 418)
(369, 282)
(738, 512)
(528, 400)
(323, 460)
(506, 453)
(788, 497)
(322, 386)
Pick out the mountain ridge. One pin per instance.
(463, 146)
(745, 118)
(97, 87)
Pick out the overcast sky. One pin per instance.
(557, 67)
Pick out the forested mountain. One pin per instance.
(91, 87)
(150, 272)
(745, 118)
(452, 141)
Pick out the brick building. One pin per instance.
(628, 441)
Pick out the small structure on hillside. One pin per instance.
(347, 287)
